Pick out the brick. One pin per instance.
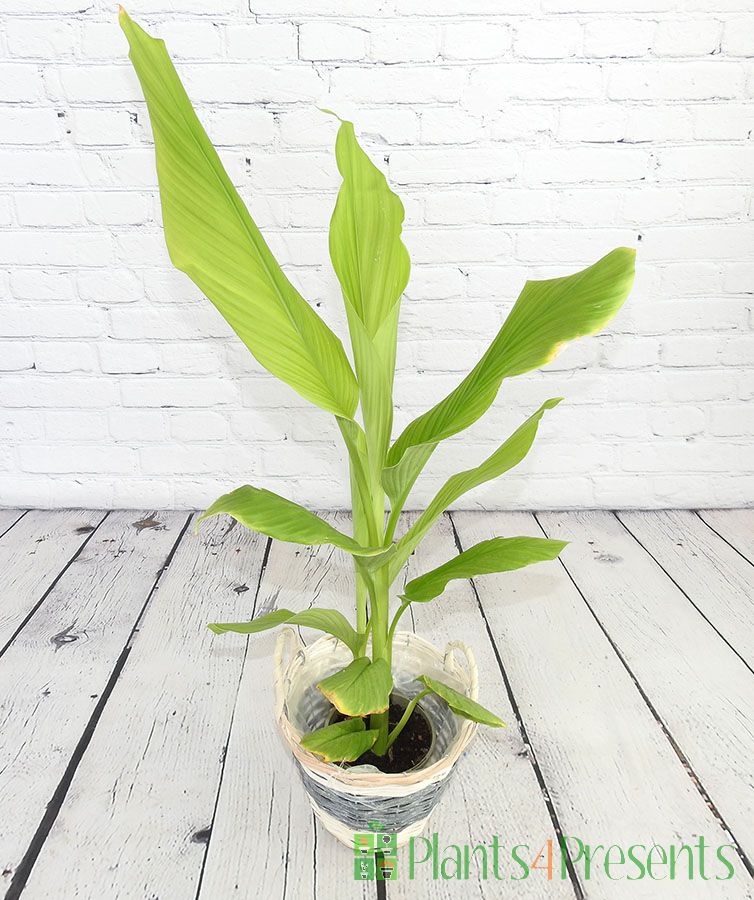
(241, 127)
(703, 162)
(108, 286)
(605, 38)
(475, 40)
(128, 358)
(51, 321)
(44, 208)
(102, 127)
(117, 208)
(723, 122)
(599, 124)
(55, 248)
(29, 125)
(71, 356)
(262, 41)
(15, 357)
(175, 392)
(40, 284)
(692, 37)
(247, 83)
(731, 420)
(675, 81)
(531, 81)
(579, 164)
(404, 43)
(453, 165)
(138, 425)
(20, 82)
(331, 41)
(738, 37)
(677, 421)
(547, 38)
(35, 39)
(185, 426)
(395, 84)
(76, 425)
(47, 391)
(79, 459)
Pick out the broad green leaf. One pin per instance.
(368, 255)
(398, 480)
(546, 316)
(328, 620)
(342, 742)
(496, 555)
(361, 688)
(462, 705)
(372, 266)
(508, 455)
(268, 513)
(213, 239)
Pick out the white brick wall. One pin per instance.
(526, 137)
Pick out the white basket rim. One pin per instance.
(289, 644)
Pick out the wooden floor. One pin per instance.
(138, 753)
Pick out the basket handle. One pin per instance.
(288, 644)
(451, 665)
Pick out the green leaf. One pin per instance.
(504, 458)
(342, 742)
(461, 704)
(546, 315)
(361, 688)
(328, 620)
(213, 239)
(368, 255)
(398, 480)
(496, 555)
(372, 266)
(268, 513)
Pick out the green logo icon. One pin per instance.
(375, 855)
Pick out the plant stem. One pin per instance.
(380, 649)
(404, 718)
(396, 618)
(392, 522)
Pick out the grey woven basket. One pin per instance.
(345, 800)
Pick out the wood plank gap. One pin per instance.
(232, 717)
(24, 868)
(696, 607)
(671, 740)
(52, 585)
(698, 514)
(14, 522)
(575, 882)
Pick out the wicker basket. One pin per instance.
(347, 799)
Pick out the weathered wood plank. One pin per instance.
(32, 555)
(495, 789)
(700, 689)
(58, 666)
(8, 518)
(264, 839)
(611, 773)
(714, 576)
(133, 824)
(736, 526)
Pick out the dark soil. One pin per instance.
(410, 747)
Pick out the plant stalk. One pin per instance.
(407, 713)
(380, 649)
